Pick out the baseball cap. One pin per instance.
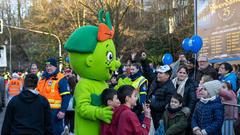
(163, 69)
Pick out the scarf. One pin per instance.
(47, 75)
(205, 100)
(181, 85)
(173, 110)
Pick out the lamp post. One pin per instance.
(10, 49)
(40, 32)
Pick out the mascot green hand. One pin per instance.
(93, 57)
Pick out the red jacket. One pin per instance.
(125, 122)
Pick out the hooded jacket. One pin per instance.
(176, 124)
(27, 114)
(125, 122)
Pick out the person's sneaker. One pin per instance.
(66, 131)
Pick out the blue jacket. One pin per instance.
(209, 116)
(232, 79)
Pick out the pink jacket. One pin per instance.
(228, 96)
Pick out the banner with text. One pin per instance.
(219, 26)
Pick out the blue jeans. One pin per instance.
(57, 124)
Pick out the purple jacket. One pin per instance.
(230, 112)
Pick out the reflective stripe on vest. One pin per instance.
(49, 89)
(14, 87)
(138, 82)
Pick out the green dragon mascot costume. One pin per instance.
(93, 57)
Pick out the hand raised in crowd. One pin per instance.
(143, 55)
(133, 56)
(147, 110)
(60, 115)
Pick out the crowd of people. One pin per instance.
(184, 98)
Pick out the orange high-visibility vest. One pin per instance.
(49, 89)
(14, 87)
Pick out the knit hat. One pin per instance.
(52, 61)
(213, 87)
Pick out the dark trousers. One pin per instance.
(57, 124)
(69, 120)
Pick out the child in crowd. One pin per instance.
(125, 121)
(109, 98)
(231, 112)
(209, 112)
(204, 78)
(175, 117)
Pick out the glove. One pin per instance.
(105, 114)
(121, 82)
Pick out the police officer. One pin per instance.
(140, 83)
(54, 86)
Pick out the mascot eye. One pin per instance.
(109, 56)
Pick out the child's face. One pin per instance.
(224, 86)
(113, 80)
(174, 103)
(203, 92)
(114, 103)
(133, 99)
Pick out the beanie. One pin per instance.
(52, 61)
(213, 87)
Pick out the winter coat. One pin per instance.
(207, 71)
(161, 96)
(209, 116)
(189, 96)
(230, 112)
(176, 124)
(125, 122)
(26, 114)
(231, 78)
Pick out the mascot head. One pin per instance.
(91, 50)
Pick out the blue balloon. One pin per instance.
(167, 59)
(185, 44)
(67, 59)
(196, 42)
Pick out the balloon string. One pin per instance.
(195, 65)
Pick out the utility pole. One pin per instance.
(36, 31)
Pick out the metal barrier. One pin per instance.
(229, 126)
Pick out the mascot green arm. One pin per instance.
(88, 101)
